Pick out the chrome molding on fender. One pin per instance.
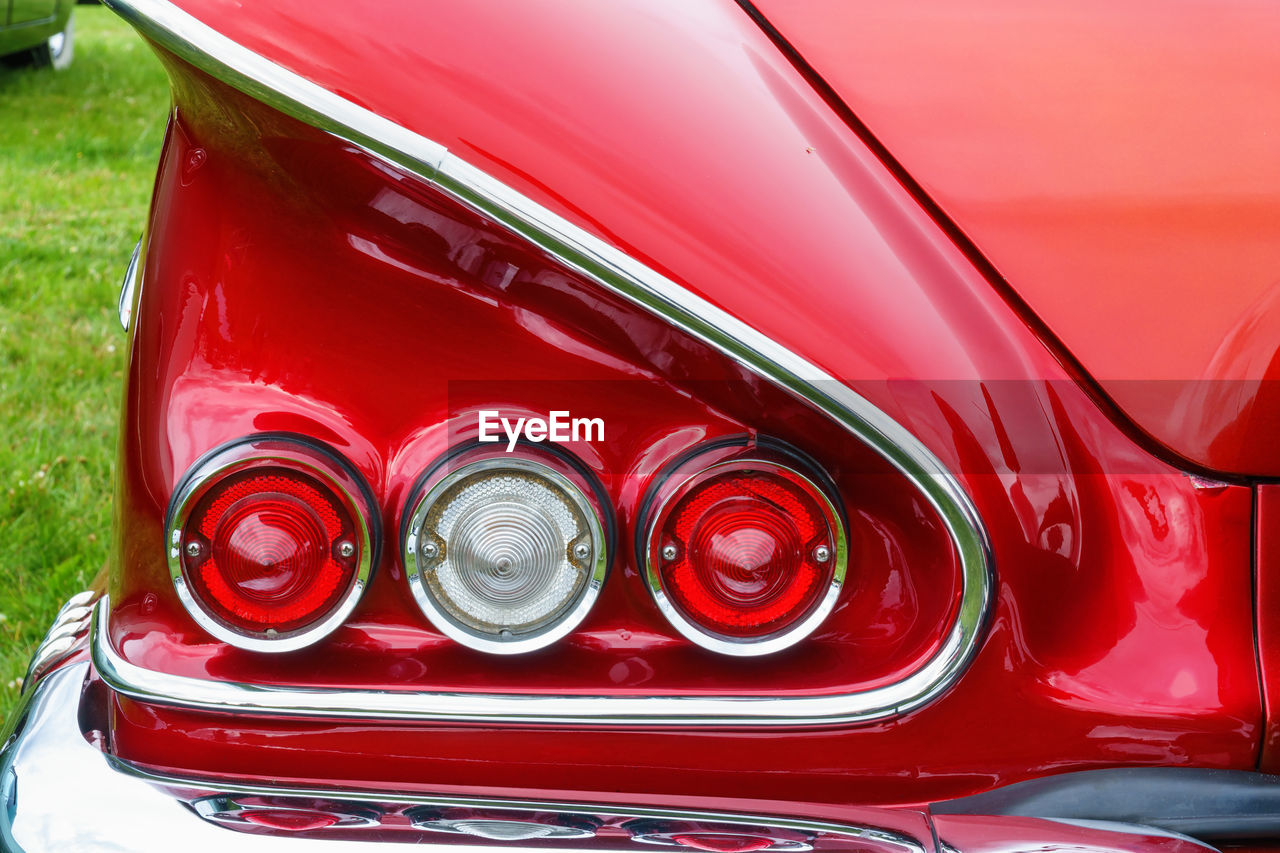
(129, 286)
(147, 685)
(64, 636)
(46, 763)
(577, 249)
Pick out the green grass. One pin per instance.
(78, 153)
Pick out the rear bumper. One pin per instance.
(58, 791)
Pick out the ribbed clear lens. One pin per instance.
(506, 551)
(506, 561)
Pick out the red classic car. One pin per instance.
(757, 426)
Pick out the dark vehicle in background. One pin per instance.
(37, 32)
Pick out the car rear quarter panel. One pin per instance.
(1120, 630)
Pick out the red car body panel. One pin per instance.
(1119, 166)
(293, 284)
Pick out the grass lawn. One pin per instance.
(78, 153)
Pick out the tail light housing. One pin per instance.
(521, 333)
(745, 551)
(507, 555)
(270, 542)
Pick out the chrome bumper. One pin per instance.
(58, 792)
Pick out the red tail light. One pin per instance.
(744, 556)
(299, 821)
(269, 549)
(723, 843)
(269, 543)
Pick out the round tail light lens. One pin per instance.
(746, 556)
(505, 555)
(270, 543)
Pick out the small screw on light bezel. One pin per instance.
(273, 450)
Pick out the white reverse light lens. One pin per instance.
(505, 556)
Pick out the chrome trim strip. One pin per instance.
(129, 286)
(65, 635)
(199, 44)
(58, 791)
(577, 249)
(159, 688)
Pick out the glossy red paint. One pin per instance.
(291, 284)
(1117, 163)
